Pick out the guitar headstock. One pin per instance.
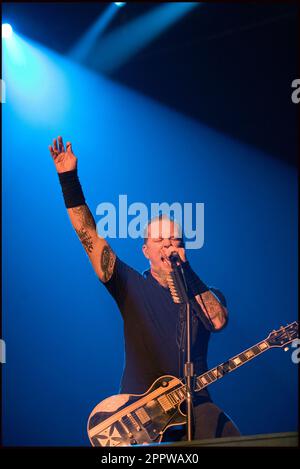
(283, 336)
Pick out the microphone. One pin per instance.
(174, 258)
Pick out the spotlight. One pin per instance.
(6, 31)
(120, 4)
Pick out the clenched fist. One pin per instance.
(64, 160)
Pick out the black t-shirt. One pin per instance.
(153, 330)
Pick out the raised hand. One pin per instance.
(64, 160)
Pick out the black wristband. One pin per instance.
(71, 188)
(195, 285)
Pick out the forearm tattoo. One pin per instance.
(86, 223)
(85, 218)
(86, 239)
(107, 262)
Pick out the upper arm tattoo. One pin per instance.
(107, 262)
(213, 308)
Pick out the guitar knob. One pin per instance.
(285, 349)
(164, 384)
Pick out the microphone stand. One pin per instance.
(179, 292)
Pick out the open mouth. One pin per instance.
(164, 260)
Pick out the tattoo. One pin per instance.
(85, 227)
(107, 263)
(212, 308)
(85, 220)
(85, 239)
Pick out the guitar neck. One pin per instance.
(232, 364)
(179, 395)
(279, 338)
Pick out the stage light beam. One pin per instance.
(84, 45)
(120, 45)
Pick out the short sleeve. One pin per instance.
(117, 284)
(121, 283)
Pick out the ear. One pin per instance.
(145, 250)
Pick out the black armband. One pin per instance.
(195, 285)
(71, 188)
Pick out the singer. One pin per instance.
(153, 322)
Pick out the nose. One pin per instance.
(166, 243)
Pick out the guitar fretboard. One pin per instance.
(235, 362)
(178, 395)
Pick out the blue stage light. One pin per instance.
(6, 31)
(121, 44)
(120, 4)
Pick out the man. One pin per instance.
(153, 323)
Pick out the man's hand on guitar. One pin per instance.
(64, 159)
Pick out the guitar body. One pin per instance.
(136, 419)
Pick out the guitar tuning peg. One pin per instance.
(286, 349)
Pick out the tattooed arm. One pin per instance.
(98, 250)
(213, 309)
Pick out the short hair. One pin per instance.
(161, 216)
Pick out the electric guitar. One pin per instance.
(139, 419)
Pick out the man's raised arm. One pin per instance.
(98, 250)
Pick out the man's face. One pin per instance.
(161, 235)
